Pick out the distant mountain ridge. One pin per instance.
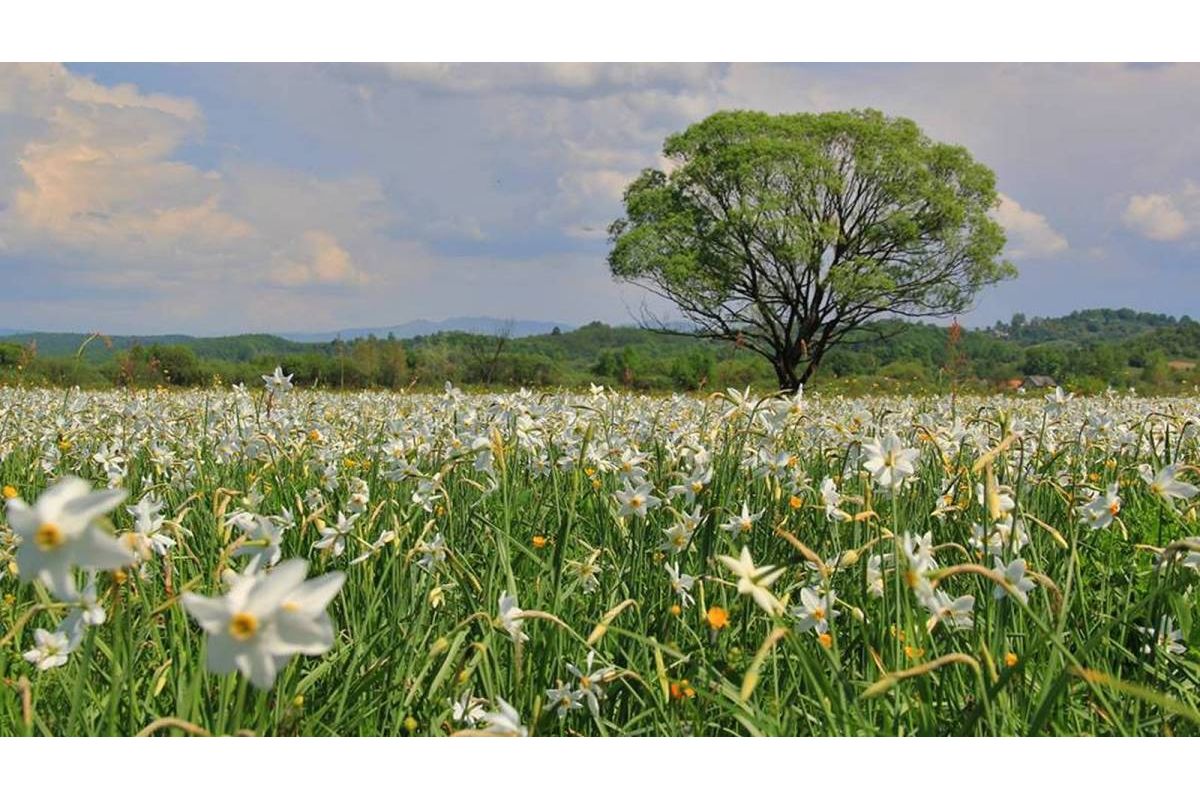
(516, 328)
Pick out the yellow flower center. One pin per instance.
(818, 613)
(585, 682)
(636, 501)
(1114, 509)
(48, 536)
(242, 626)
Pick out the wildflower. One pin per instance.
(1165, 637)
(538, 542)
(679, 535)
(755, 581)
(832, 500)
(681, 584)
(277, 383)
(468, 709)
(636, 500)
(505, 721)
(1011, 660)
(955, 612)
(433, 553)
(587, 572)
(1165, 485)
(815, 610)
(50, 649)
(591, 682)
(875, 576)
(1102, 509)
(742, 523)
(564, 699)
(147, 537)
(510, 617)
(889, 461)
(1014, 579)
(918, 555)
(266, 618)
(333, 538)
(717, 617)
(60, 532)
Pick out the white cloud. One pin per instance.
(1030, 234)
(95, 181)
(324, 262)
(1156, 216)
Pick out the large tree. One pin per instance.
(786, 233)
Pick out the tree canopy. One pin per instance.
(786, 233)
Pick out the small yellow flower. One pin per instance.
(913, 653)
(676, 610)
(410, 725)
(717, 618)
(826, 640)
(795, 503)
(539, 542)
(1011, 660)
(10, 492)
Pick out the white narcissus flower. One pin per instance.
(681, 584)
(1166, 485)
(1102, 509)
(277, 382)
(265, 619)
(815, 610)
(636, 499)
(831, 498)
(1014, 579)
(59, 532)
(50, 649)
(755, 581)
(505, 721)
(955, 612)
(743, 523)
(889, 461)
(510, 617)
(333, 538)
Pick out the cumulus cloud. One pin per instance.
(96, 183)
(323, 262)
(1157, 217)
(1030, 234)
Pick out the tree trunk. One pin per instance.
(785, 372)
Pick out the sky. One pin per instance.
(229, 198)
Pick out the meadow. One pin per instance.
(278, 561)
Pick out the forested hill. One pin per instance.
(1082, 327)
(1087, 350)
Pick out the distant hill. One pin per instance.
(244, 347)
(424, 327)
(1088, 349)
(1091, 325)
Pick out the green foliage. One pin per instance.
(880, 356)
(785, 233)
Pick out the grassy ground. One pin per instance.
(527, 505)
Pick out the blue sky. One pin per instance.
(226, 198)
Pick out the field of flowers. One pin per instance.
(275, 561)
